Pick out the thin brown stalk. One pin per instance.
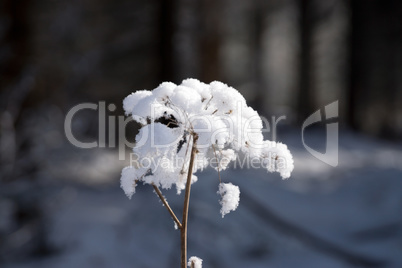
(165, 203)
(216, 156)
(185, 156)
(206, 106)
(183, 233)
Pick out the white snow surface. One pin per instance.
(355, 207)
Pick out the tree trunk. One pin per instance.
(306, 100)
(257, 69)
(210, 40)
(167, 29)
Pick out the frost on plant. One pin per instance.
(127, 183)
(171, 115)
(230, 197)
(195, 262)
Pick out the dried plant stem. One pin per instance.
(216, 156)
(165, 203)
(183, 230)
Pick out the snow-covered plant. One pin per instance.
(189, 126)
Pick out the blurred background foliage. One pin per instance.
(288, 57)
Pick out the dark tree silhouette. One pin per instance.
(306, 99)
(167, 29)
(257, 52)
(210, 40)
(375, 67)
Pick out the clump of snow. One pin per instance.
(230, 197)
(224, 157)
(127, 181)
(275, 156)
(172, 115)
(194, 262)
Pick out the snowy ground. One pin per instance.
(347, 216)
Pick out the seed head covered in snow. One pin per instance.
(194, 262)
(172, 115)
(230, 197)
(127, 182)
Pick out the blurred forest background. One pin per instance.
(288, 57)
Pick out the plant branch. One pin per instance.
(183, 233)
(165, 203)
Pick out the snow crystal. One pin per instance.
(230, 197)
(194, 262)
(172, 115)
